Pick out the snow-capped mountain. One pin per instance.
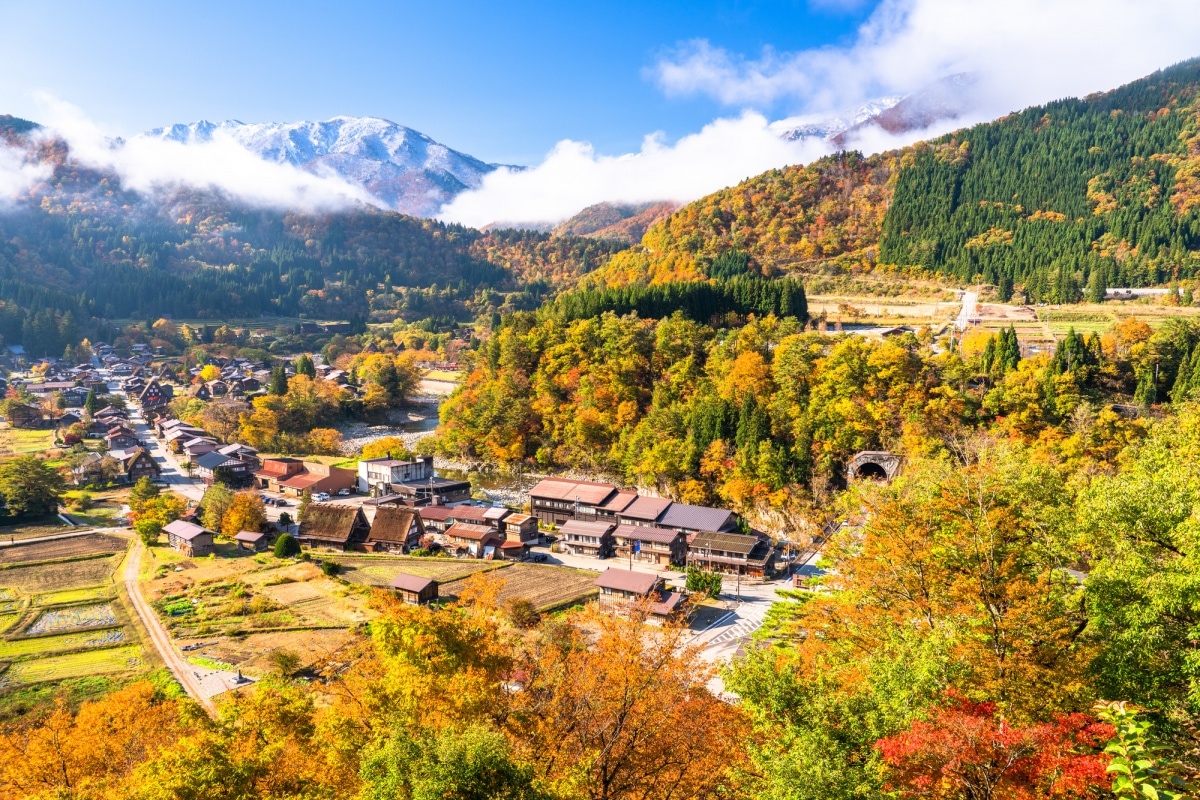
(948, 98)
(403, 168)
(822, 127)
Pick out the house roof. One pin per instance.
(251, 537)
(213, 460)
(185, 530)
(303, 480)
(392, 523)
(412, 583)
(329, 522)
(696, 518)
(646, 534)
(647, 508)
(495, 514)
(582, 528)
(724, 542)
(465, 530)
(587, 492)
(468, 514)
(436, 513)
(619, 501)
(669, 602)
(624, 580)
(517, 519)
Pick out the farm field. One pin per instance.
(74, 665)
(32, 530)
(60, 575)
(73, 547)
(29, 441)
(17, 648)
(381, 570)
(74, 596)
(547, 587)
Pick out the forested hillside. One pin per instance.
(81, 249)
(1055, 201)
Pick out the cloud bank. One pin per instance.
(17, 174)
(1023, 52)
(152, 166)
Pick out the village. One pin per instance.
(360, 524)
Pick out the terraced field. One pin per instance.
(73, 617)
(18, 648)
(73, 547)
(60, 576)
(74, 596)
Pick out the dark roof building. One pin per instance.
(395, 529)
(333, 526)
(644, 511)
(622, 590)
(415, 590)
(732, 553)
(698, 518)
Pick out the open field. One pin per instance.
(60, 576)
(27, 441)
(382, 570)
(75, 595)
(33, 529)
(442, 375)
(547, 587)
(252, 652)
(75, 547)
(71, 618)
(17, 648)
(883, 310)
(74, 665)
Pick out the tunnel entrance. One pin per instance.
(871, 470)
(876, 465)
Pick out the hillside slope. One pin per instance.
(1073, 195)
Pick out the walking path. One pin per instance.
(159, 637)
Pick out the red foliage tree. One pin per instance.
(964, 751)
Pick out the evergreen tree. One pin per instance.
(92, 403)
(279, 382)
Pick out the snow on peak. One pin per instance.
(404, 168)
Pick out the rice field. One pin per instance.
(43, 578)
(75, 547)
(71, 618)
(381, 571)
(73, 665)
(7, 620)
(18, 648)
(74, 596)
(546, 586)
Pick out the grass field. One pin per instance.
(27, 441)
(74, 665)
(18, 648)
(74, 547)
(43, 578)
(442, 375)
(6, 621)
(547, 587)
(382, 570)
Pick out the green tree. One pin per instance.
(216, 502)
(143, 490)
(92, 403)
(305, 499)
(305, 366)
(279, 382)
(1141, 765)
(30, 487)
(286, 546)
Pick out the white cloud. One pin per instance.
(18, 174)
(574, 176)
(1027, 51)
(151, 165)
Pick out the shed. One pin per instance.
(251, 540)
(189, 538)
(415, 590)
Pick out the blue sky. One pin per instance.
(502, 81)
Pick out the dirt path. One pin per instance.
(159, 637)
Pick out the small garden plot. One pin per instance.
(47, 526)
(44, 645)
(74, 665)
(72, 618)
(7, 620)
(8, 602)
(75, 547)
(58, 577)
(547, 587)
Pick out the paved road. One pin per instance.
(159, 637)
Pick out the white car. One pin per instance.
(321, 497)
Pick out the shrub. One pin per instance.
(286, 546)
(522, 613)
(330, 568)
(284, 661)
(703, 582)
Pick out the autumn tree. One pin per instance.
(29, 487)
(216, 502)
(246, 512)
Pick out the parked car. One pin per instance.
(343, 492)
(537, 557)
(321, 497)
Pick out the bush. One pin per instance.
(703, 582)
(284, 661)
(330, 568)
(286, 546)
(81, 502)
(522, 613)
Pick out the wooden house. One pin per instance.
(594, 539)
(333, 526)
(731, 553)
(653, 545)
(623, 591)
(477, 541)
(395, 529)
(137, 464)
(189, 538)
(252, 541)
(415, 590)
